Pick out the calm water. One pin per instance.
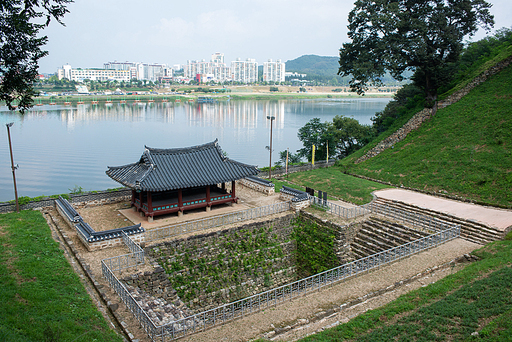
(60, 147)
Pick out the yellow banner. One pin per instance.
(313, 157)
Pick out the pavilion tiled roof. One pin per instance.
(180, 168)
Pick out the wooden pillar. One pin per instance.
(180, 203)
(140, 199)
(180, 199)
(150, 202)
(208, 194)
(223, 186)
(233, 189)
(133, 196)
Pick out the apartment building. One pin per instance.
(244, 71)
(273, 71)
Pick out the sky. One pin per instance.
(172, 32)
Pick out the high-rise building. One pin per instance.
(273, 71)
(244, 71)
(216, 69)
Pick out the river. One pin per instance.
(62, 147)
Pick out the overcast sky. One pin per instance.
(172, 32)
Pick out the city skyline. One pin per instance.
(172, 33)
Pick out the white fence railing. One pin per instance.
(216, 221)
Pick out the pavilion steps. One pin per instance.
(470, 230)
(377, 235)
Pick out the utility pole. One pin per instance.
(271, 118)
(9, 125)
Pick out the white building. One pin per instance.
(216, 67)
(244, 71)
(79, 75)
(273, 71)
(142, 71)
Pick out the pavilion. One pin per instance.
(166, 181)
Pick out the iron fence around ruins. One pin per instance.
(240, 308)
(120, 262)
(216, 221)
(129, 301)
(338, 210)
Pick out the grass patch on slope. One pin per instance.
(335, 183)
(464, 150)
(41, 297)
(477, 298)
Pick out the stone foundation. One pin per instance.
(268, 190)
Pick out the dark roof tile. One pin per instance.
(179, 168)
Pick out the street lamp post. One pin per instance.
(271, 118)
(9, 125)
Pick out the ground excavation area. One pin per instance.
(289, 321)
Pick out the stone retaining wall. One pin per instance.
(215, 268)
(82, 200)
(268, 190)
(425, 114)
(297, 168)
(343, 235)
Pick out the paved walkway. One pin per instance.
(500, 219)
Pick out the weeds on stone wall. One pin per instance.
(315, 251)
(225, 266)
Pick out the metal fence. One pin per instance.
(347, 213)
(231, 311)
(240, 308)
(128, 299)
(216, 221)
(120, 262)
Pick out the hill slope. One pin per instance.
(464, 150)
(314, 65)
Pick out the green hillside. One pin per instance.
(465, 150)
(314, 65)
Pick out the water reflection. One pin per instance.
(60, 146)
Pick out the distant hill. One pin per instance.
(325, 68)
(314, 65)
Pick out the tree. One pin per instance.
(20, 46)
(292, 158)
(424, 36)
(316, 133)
(349, 135)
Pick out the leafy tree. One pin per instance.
(292, 158)
(20, 46)
(316, 133)
(420, 35)
(349, 135)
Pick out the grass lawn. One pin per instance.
(335, 183)
(41, 298)
(477, 298)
